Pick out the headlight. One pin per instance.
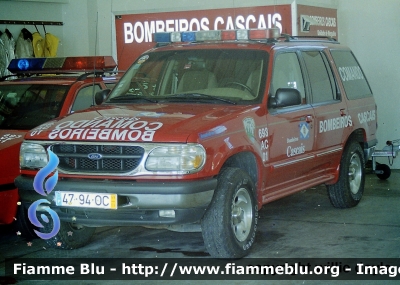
(32, 156)
(183, 158)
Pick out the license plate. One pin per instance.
(87, 200)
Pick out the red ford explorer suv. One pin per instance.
(40, 90)
(202, 131)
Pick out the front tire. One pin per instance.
(230, 223)
(70, 236)
(348, 190)
(23, 224)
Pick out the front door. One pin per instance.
(291, 131)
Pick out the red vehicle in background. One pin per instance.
(40, 90)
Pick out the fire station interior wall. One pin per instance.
(368, 27)
(371, 28)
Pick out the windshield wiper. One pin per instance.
(200, 96)
(131, 97)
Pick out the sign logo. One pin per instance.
(304, 131)
(49, 186)
(305, 23)
(9, 137)
(249, 127)
(95, 156)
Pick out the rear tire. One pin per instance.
(348, 190)
(230, 223)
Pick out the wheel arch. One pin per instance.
(247, 162)
(358, 135)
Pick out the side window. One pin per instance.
(84, 98)
(287, 74)
(353, 78)
(322, 83)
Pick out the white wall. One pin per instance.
(369, 27)
(32, 11)
(76, 29)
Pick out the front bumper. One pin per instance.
(139, 203)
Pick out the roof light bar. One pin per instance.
(217, 35)
(176, 37)
(188, 36)
(227, 35)
(89, 63)
(24, 64)
(59, 64)
(263, 34)
(162, 37)
(234, 35)
(257, 34)
(273, 33)
(208, 35)
(242, 34)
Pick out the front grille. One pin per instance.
(107, 158)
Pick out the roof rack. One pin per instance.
(38, 74)
(5, 77)
(290, 38)
(99, 73)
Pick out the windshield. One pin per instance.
(223, 76)
(25, 106)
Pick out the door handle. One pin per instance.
(307, 118)
(342, 112)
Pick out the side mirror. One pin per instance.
(285, 97)
(100, 96)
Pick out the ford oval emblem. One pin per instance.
(95, 156)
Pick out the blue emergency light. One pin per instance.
(162, 37)
(188, 36)
(25, 64)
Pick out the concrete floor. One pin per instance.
(304, 225)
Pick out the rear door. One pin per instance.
(331, 115)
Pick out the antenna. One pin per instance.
(94, 62)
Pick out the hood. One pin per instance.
(10, 142)
(139, 123)
(10, 138)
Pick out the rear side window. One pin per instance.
(321, 79)
(353, 78)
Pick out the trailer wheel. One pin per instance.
(386, 171)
